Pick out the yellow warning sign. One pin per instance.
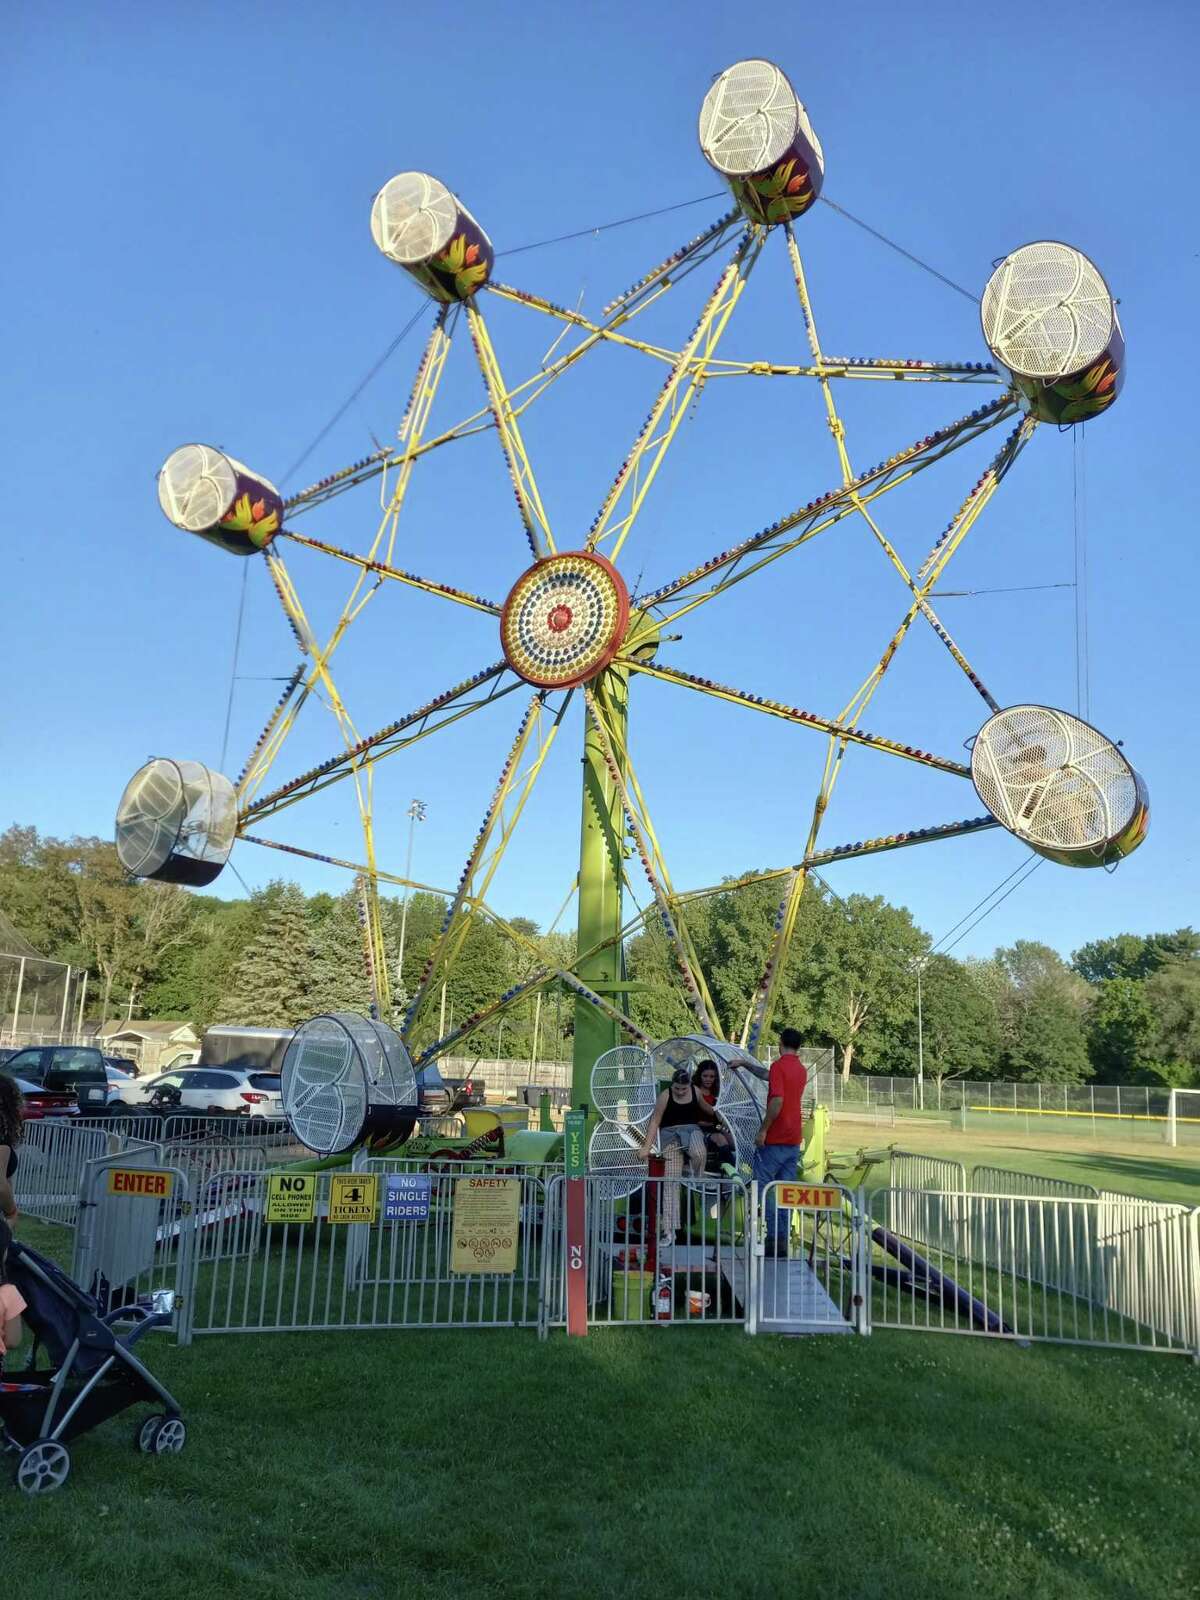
(140, 1181)
(353, 1197)
(809, 1197)
(291, 1196)
(487, 1224)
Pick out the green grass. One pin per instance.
(1173, 1176)
(656, 1462)
(644, 1462)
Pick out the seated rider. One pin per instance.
(706, 1080)
(680, 1117)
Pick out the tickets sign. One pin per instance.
(353, 1197)
(487, 1225)
(291, 1196)
(809, 1197)
(141, 1182)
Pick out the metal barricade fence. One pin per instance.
(701, 1277)
(1003, 1180)
(1061, 1270)
(272, 1135)
(923, 1180)
(419, 1270)
(51, 1160)
(1065, 1265)
(810, 1272)
(135, 1236)
(1132, 1233)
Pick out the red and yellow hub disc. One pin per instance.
(564, 620)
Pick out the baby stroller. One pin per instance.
(93, 1375)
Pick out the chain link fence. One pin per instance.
(1118, 1112)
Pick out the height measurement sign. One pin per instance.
(487, 1225)
(575, 1165)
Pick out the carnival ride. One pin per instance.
(570, 630)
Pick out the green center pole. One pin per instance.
(601, 854)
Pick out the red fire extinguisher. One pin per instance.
(663, 1298)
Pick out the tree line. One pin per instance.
(1124, 1009)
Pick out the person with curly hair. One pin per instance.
(12, 1123)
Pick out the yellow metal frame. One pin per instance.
(690, 368)
(529, 499)
(535, 736)
(639, 469)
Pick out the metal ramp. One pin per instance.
(790, 1298)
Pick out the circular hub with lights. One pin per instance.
(564, 620)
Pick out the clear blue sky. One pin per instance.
(185, 200)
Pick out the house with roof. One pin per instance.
(155, 1046)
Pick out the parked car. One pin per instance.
(466, 1091)
(77, 1070)
(117, 1079)
(433, 1096)
(206, 1089)
(38, 1102)
(122, 1065)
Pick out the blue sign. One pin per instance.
(407, 1197)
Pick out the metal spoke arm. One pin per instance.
(415, 418)
(381, 569)
(358, 868)
(881, 369)
(609, 332)
(529, 500)
(699, 999)
(372, 921)
(686, 378)
(534, 739)
(752, 554)
(931, 570)
(528, 986)
(938, 559)
(845, 852)
(680, 262)
(804, 719)
(460, 701)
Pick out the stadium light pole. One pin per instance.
(417, 812)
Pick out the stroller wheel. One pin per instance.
(42, 1467)
(161, 1436)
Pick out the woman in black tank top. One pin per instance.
(679, 1116)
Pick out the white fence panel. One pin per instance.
(1098, 1272)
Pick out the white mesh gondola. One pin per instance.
(757, 135)
(622, 1087)
(748, 119)
(176, 822)
(1057, 783)
(206, 492)
(741, 1100)
(424, 228)
(1047, 311)
(413, 217)
(344, 1079)
(615, 1161)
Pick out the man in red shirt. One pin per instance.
(777, 1157)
